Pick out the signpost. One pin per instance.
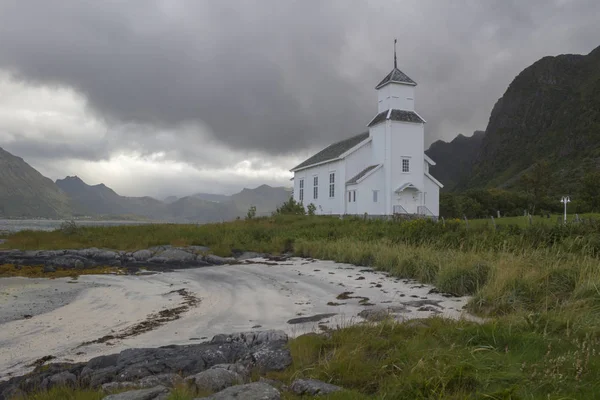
(565, 200)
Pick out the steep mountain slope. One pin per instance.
(265, 198)
(454, 159)
(24, 192)
(551, 112)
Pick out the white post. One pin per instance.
(565, 200)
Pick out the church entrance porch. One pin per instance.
(408, 199)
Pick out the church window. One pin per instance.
(375, 195)
(332, 184)
(315, 187)
(405, 165)
(301, 194)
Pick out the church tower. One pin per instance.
(398, 141)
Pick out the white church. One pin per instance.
(381, 172)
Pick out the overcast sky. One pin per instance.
(161, 97)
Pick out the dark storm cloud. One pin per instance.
(281, 76)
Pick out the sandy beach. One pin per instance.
(295, 295)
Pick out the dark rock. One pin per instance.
(173, 256)
(62, 379)
(265, 350)
(69, 261)
(374, 315)
(312, 318)
(142, 255)
(250, 391)
(167, 380)
(214, 380)
(142, 394)
(216, 260)
(118, 387)
(238, 368)
(312, 387)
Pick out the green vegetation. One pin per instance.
(536, 288)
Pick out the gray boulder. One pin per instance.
(69, 261)
(250, 391)
(216, 260)
(167, 380)
(214, 379)
(266, 350)
(118, 386)
(64, 379)
(173, 256)
(154, 393)
(49, 268)
(239, 369)
(312, 387)
(142, 255)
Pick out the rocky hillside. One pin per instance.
(24, 192)
(551, 112)
(454, 159)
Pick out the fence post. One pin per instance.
(577, 218)
(493, 223)
(466, 221)
(443, 222)
(530, 220)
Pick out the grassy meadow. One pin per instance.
(537, 288)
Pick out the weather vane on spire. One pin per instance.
(395, 61)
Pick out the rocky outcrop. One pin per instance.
(214, 365)
(156, 258)
(250, 391)
(312, 387)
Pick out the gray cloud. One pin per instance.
(272, 78)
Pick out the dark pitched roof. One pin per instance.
(397, 115)
(333, 151)
(361, 174)
(396, 76)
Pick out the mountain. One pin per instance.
(212, 197)
(265, 198)
(454, 159)
(24, 192)
(550, 112)
(102, 200)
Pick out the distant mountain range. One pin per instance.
(26, 193)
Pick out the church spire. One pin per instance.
(395, 61)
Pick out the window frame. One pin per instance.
(315, 187)
(301, 190)
(407, 159)
(331, 184)
(375, 196)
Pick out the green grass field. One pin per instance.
(536, 287)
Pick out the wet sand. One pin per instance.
(294, 295)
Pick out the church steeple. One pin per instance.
(396, 76)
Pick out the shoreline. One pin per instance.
(294, 295)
